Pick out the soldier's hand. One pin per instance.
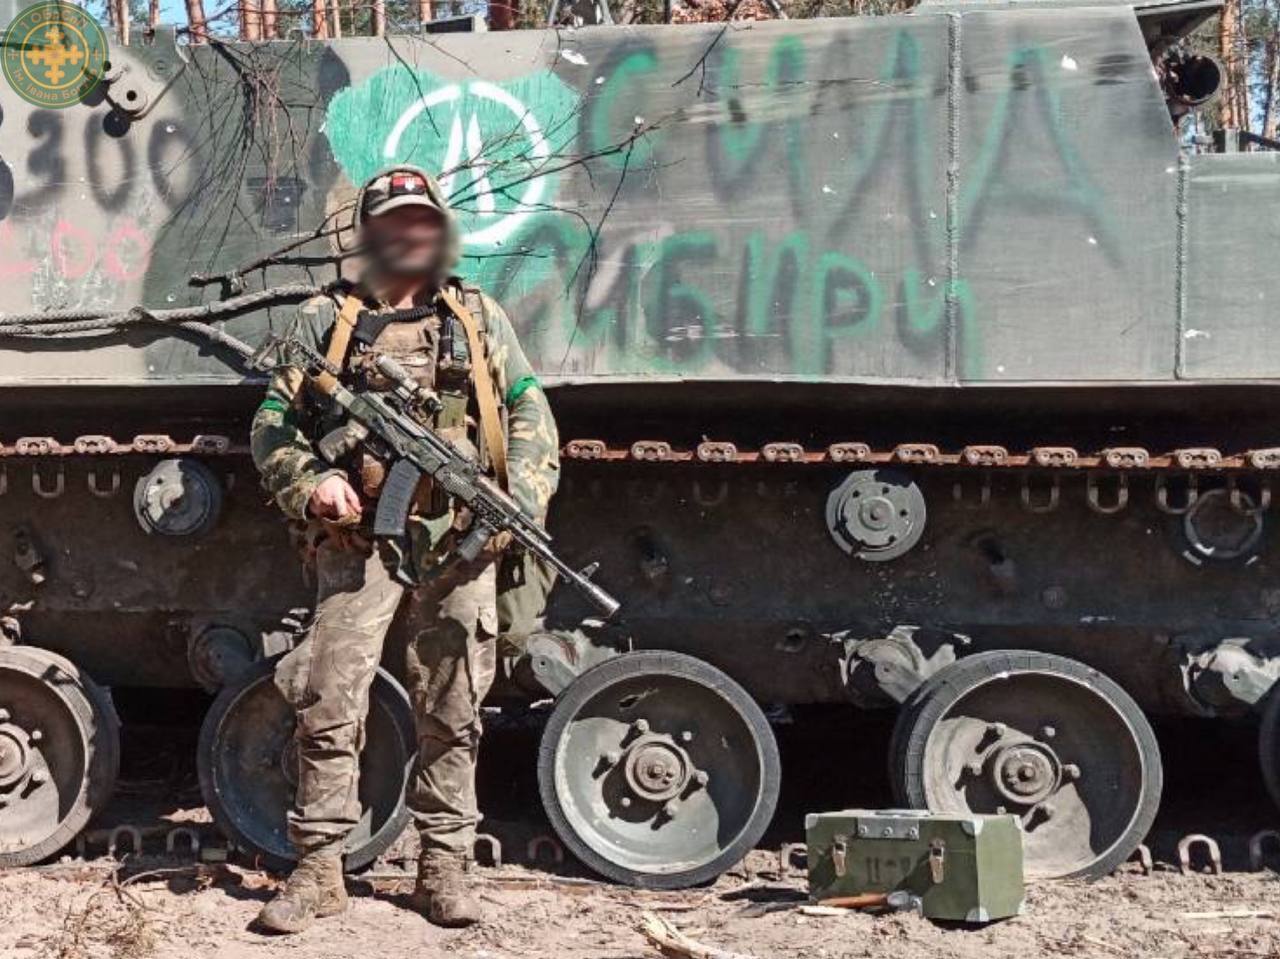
(335, 500)
(497, 545)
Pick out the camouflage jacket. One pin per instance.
(284, 424)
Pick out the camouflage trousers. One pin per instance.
(524, 583)
(444, 636)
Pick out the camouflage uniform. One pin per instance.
(445, 634)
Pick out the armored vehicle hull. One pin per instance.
(874, 343)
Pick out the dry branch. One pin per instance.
(670, 941)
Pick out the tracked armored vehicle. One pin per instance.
(918, 362)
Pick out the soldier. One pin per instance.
(458, 343)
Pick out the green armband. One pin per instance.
(273, 404)
(519, 388)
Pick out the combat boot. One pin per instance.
(444, 892)
(314, 891)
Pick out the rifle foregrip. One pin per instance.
(396, 499)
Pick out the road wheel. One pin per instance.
(1269, 743)
(59, 753)
(658, 770)
(248, 768)
(1043, 737)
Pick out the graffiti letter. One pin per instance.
(128, 252)
(1030, 76)
(72, 248)
(736, 141)
(846, 302)
(11, 263)
(602, 126)
(676, 312)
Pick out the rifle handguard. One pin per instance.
(338, 442)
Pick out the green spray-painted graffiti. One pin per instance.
(1032, 73)
(495, 146)
(787, 215)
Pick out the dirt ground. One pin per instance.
(171, 908)
(84, 913)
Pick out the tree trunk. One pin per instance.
(122, 21)
(270, 20)
(502, 14)
(335, 19)
(250, 20)
(425, 13)
(1234, 113)
(379, 10)
(153, 14)
(1271, 88)
(195, 21)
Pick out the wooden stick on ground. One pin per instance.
(671, 942)
(866, 900)
(819, 911)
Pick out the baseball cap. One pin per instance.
(395, 189)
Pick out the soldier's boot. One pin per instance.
(444, 893)
(314, 891)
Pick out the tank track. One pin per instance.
(1176, 473)
(928, 454)
(1188, 463)
(153, 444)
(201, 842)
(509, 844)
(723, 452)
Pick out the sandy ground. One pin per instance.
(75, 911)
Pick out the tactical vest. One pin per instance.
(432, 346)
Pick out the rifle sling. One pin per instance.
(370, 324)
(486, 396)
(339, 342)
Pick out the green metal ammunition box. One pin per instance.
(960, 867)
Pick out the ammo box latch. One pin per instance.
(937, 857)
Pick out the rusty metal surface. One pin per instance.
(100, 445)
(719, 452)
(928, 454)
(81, 575)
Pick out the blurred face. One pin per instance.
(406, 241)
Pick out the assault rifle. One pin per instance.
(382, 423)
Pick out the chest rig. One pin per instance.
(427, 342)
(431, 343)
